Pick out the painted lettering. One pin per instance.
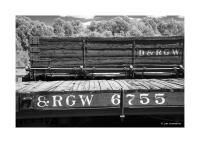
(85, 98)
(175, 51)
(72, 101)
(141, 53)
(115, 99)
(166, 52)
(158, 52)
(130, 102)
(57, 99)
(150, 53)
(42, 102)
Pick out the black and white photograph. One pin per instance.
(99, 71)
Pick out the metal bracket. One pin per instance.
(132, 71)
(122, 116)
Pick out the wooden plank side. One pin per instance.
(108, 53)
(98, 46)
(60, 54)
(108, 60)
(158, 60)
(58, 64)
(167, 45)
(60, 45)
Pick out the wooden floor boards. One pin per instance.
(100, 85)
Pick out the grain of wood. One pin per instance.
(172, 86)
(94, 85)
(81, 85)
(136, 84)
(161, 86)
(76, 85)
(44, 86)
(121, 83)
(55, 86)
(151, 84)
(63, 86)
(129, 86)
(32, 86)
(175, 81)
(70, 86)
(104, 85)
(98, 85)
(114, 84)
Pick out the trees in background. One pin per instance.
(122, 26)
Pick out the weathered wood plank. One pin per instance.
(172, 86)
(62, 87)
(70, 86)
(98, 85)
(161, 86)
(83, 86)
(110, 60)
(135, 84)
(152, 86)
(32, 86)
(108, 53)
(114, 85)
(158, 60)
(104, 46)
(175, 81)
(44, 86)
(129, 86)
(122, 84)
(76, 85)
(104, 85)
(169, 45)
(60, 45)
(94, 85)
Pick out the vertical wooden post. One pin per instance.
(83, 52)
(133, 53)
(122, 116)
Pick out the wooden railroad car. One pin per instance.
(87, 76)
(89, 57)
